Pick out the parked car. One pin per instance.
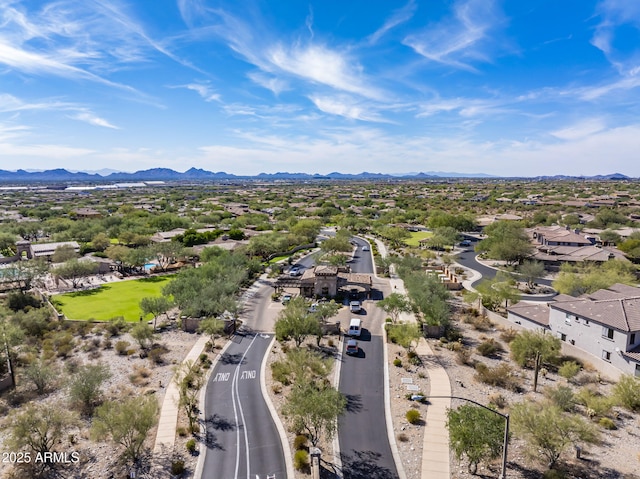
(295, 271)
(365, 248)
(352, 347)
(465, 243)
(286, 298)
(313, 308)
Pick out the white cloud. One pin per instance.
(92, 119)
(270, 82)
(344, 106)
(398, 17)
(461, 40)
(581, 129)
(614, 14)
(203, 90)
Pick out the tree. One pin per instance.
(406, 335)
(127, 422)
(534, 348)
(100, 242)
(442, 237)
(41, 374)
(336, 244)
(475, 433)
(155, 305)
(394, 304)
(189, 379)
(530, 271)
(40, 429)
(395, 235)
(576, 280)
(315, 410)
(75, 270)
(212, 327)
(506, 241)
(85, 389)
(63, 253)
(295, 322)
(167, 253)
(143, 335)
(548, 431)
(326, 310)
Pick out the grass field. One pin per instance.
(416, 236)
(110, 300)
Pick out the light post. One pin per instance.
(503, 471)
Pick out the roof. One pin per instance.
(633, 354)
(578, 254)
(622, 314)
(537, 313)
(47, 249)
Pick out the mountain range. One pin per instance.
(60, 175)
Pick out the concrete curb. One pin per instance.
(274, 414)
(203, 415)
(337, 460)
(387, 410)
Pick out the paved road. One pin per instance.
(364, 445)
(242, 439)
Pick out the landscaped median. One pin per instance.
(110, 300)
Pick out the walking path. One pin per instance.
(435, 447)
(166, 435)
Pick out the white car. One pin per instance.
(365, 248)
(355, 306)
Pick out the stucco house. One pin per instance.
(605, 324)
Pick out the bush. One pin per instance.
(500, 376)
(280, 372)
(177, 467)
(22, 301)
(498, 400)
(569, 369)
(463, 356)
(191, 446)
(300, 442)
(481, 323)
(413, 416)
(553, 474)
(402, 437)
(301, 460)
(627, 392)
(122, 347)
(182, 431)
(596, 405)
(488, 348)
(508, 335)
(116, 325)
(561, 396)
(397, 362)
(156, 355)
(607, 423)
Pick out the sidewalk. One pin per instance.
(435, 447)
(166, 435)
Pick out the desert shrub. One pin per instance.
(595, 404)
(607, 423)
(397, 362)
(454, 334)
(300, 442)
(402, 437)
(280, 372)
(107, 343)
(627, 392)
(500, 376)
(71, 365)
(182, 431)
(488, 348)
(561, 396)
(331, 343)
(508, 335)
(498, 400)
(553, 474)
(413, 416)
(301, 460)
(276, 388)
(463, 356)
(156, 355)
(177, 467)
(191, 446)
(455, 346)
(569, 369)
(116, 325)
(481, 323)
(22, 301)
(122, 347)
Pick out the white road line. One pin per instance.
(236, 399)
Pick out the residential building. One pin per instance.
(604, 324)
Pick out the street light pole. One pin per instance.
(503, 471)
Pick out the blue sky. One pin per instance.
(508, 88)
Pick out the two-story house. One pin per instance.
(605, 324)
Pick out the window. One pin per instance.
(567, 320)
(607, 333)
(606, 355)
(637, 373)
(632, 338)
(586, 322)
(563, 337)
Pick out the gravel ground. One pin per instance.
(100, 459)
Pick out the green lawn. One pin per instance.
(110, 300)
(416, 236)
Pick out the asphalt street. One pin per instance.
(242, 439)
